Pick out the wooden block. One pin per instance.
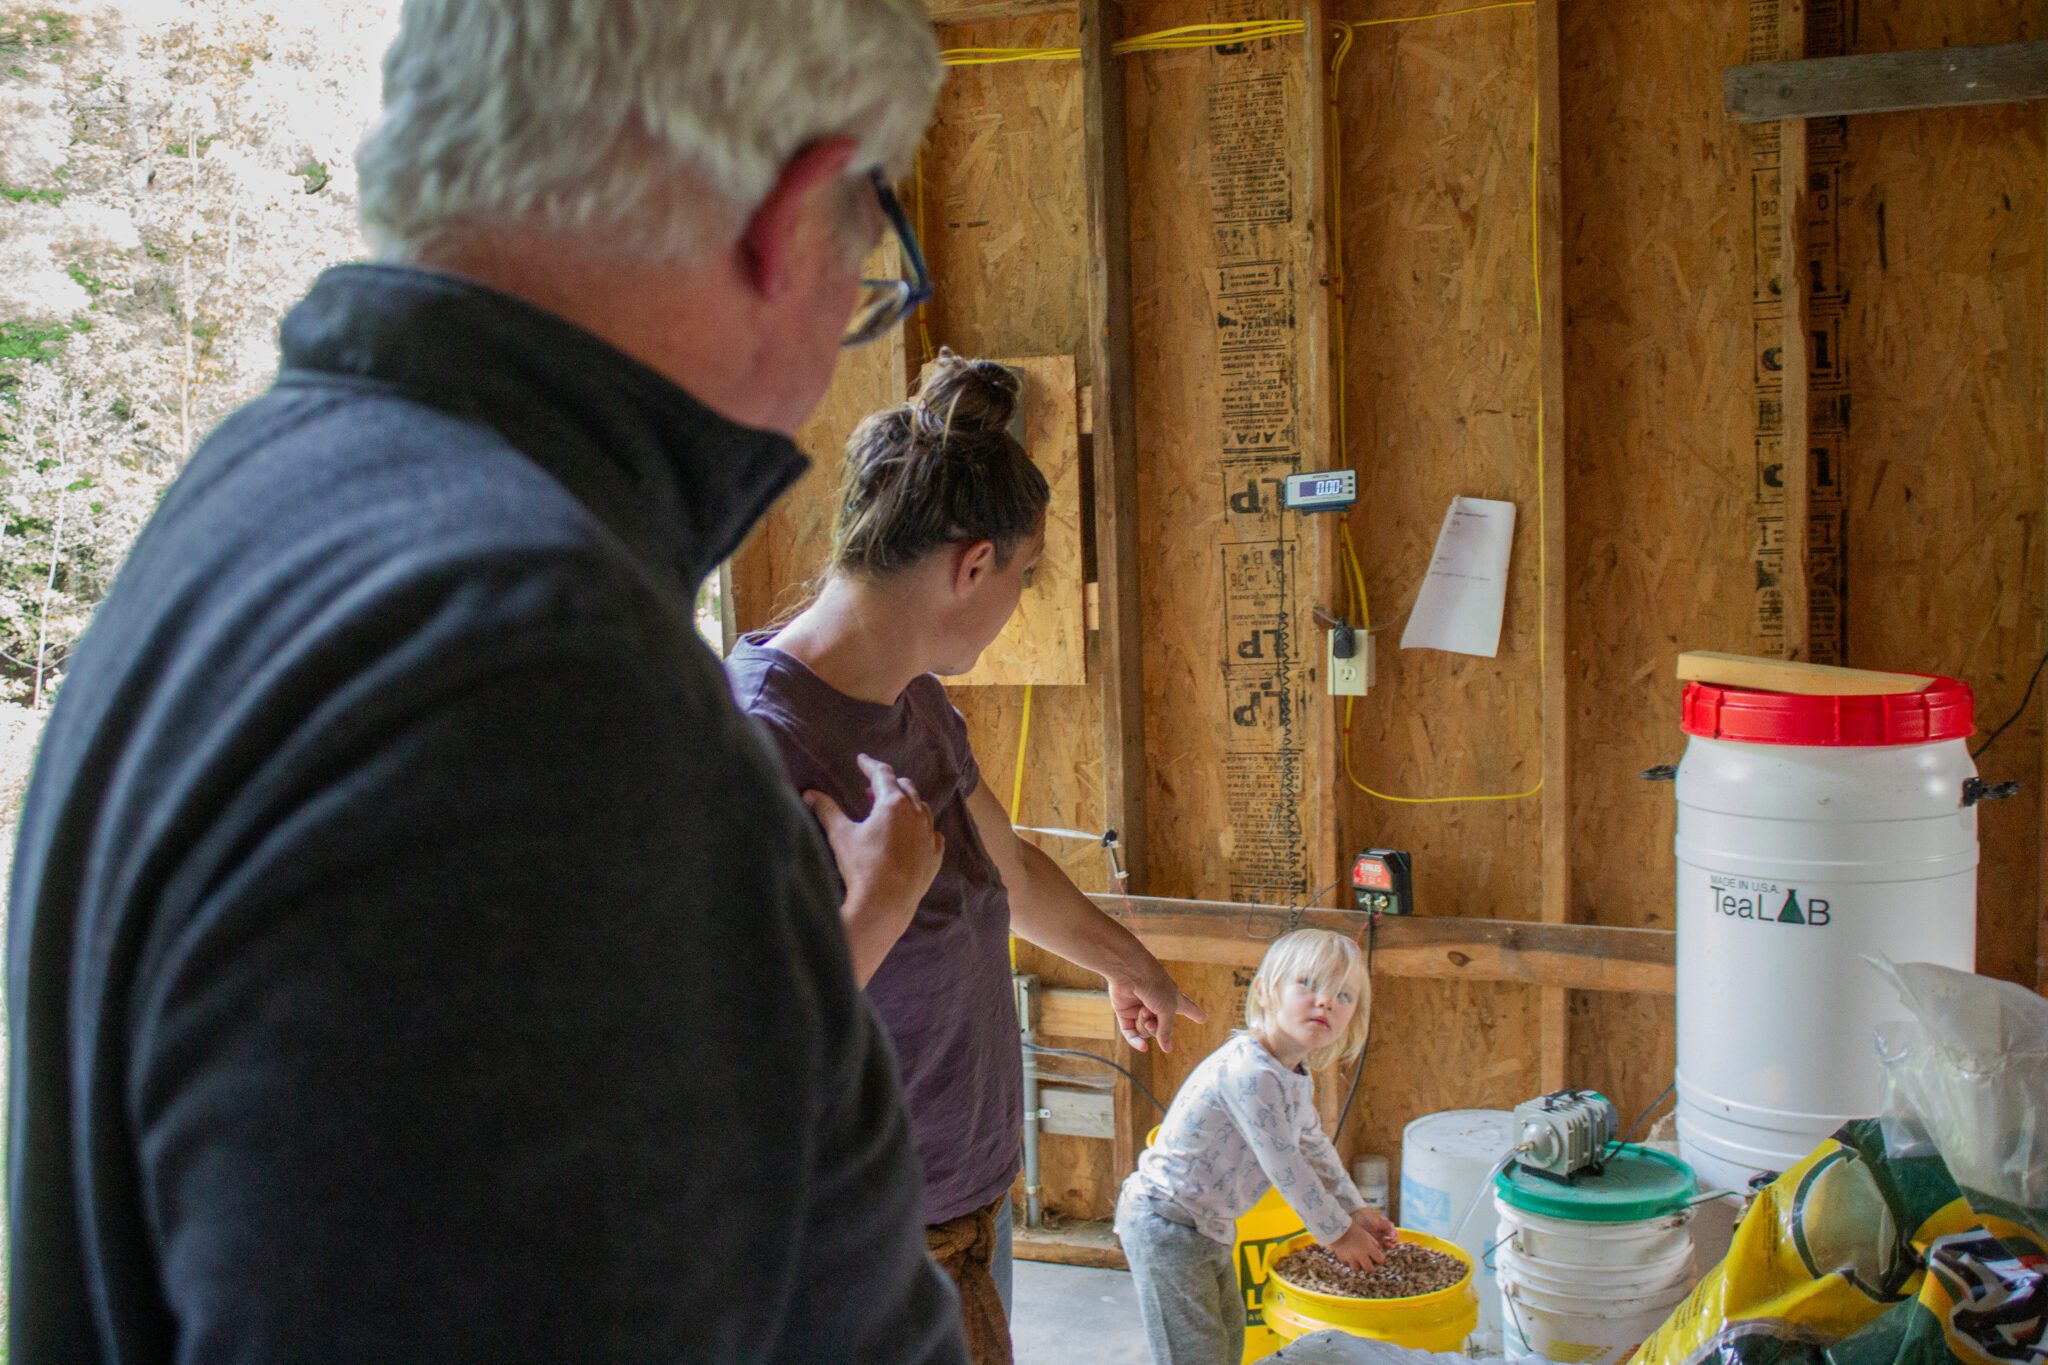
(1046, 642)
(1788, 675)
(1072, 1111)
(1076, 1014)
(1071, 1243)
(1881, 82)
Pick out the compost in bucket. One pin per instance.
(1408, 1270)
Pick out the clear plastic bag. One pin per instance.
(1917, 1238)
(1969, 1073)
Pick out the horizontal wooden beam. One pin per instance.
(971, 11)
(1582, 957)
(1881, 82)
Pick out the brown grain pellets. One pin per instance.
(1408, 1271)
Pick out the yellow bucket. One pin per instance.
(1261, 1234)
(1426, 1322)
(1266, 1232)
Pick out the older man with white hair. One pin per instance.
(414, 954)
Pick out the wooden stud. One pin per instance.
(1795, 454)
(1116, 487)
(1318, 412)
(1882, 82)
(1553, 1007)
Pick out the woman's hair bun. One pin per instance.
(967, 397)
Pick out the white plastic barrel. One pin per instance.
(1812, 832)
(1446, 1161)
(1588, 1270)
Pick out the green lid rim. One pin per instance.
(1540, 1201)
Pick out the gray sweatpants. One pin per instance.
(1187, 1288)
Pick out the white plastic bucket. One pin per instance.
(1657, 1249)
(1795, 861)
(1446, 1160)
(1574, 1325)
(1588, 1293)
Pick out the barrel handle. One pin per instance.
(1663, 772)
(1976, 789)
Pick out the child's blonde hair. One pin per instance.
(1328, 962)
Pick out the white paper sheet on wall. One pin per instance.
(1462, 598)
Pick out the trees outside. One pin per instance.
(175, 174)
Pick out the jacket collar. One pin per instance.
(670, 475)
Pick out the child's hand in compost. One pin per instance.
(1378, 1226)
(1358, 1248)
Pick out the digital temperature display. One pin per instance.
(1329, 490)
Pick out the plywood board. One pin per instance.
(1440, 399)
(1791, 676)
(1046, 642)
(1942, 242)
(1005, 206)
(1003, 231)
(1666, 269)
(1221, 263)
(1441, 389)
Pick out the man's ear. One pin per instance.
(972, 561)
(770, 234)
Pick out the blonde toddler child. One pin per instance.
(1245, 1121)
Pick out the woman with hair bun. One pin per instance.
(941, 521)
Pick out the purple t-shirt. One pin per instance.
(943, 992)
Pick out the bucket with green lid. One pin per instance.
(1590, 1267)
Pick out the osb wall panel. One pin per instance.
(1046, 639)
(1220, 254)
(1665, 266)
(1005, 207)
(1440, 392)
(1941, 231)
(1005, 233)
(1222, 259)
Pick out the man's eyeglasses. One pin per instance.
(884, 303)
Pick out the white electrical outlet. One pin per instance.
(1351, 677)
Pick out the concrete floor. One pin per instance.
(1070, 1315)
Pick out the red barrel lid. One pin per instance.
(1945, 710)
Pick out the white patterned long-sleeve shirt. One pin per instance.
(1243, 1123)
